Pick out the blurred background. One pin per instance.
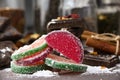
(29, 16)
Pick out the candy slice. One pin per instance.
(28, 50)
(26, 69)
(63, 63)
(32, 64)
(35, 58)
(66, 43)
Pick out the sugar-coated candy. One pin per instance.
(35, 58)
(66, 43)
(62, 63)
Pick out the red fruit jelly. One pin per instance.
(66, 43)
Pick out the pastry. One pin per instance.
(72, 23)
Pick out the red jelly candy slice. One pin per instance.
(66, 43)
(35, 58)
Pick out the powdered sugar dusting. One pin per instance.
(97, 69)
(45, 73)
(7, 69)
(42, 73)
(6, 49)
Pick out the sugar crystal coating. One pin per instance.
(30, 58)
(66, 43)
(35, 58)
(26, 69)
(62, 63)
(28, 50)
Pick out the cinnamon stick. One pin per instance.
(101, 45)
(87, 34)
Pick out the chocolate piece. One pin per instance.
(9, 44)
(75, 26)
(101, 52)
(100, 60)
(4, 59)
(10, 34)
(4, 22)
(6, 49)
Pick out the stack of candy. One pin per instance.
(28, 59)
(38, 55)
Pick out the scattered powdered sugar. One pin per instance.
(44, 73)
(7, 69)
(97, 69)
(116, 70)
(6, 49)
